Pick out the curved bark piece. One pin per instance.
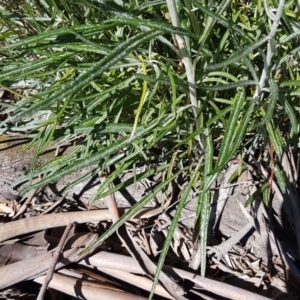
(28, 225)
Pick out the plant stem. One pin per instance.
(187, 62)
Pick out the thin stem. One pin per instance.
(270, 47)
(187, 62)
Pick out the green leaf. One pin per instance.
(172, 228)
(92, 73)
(153, 25)
(259, 191)
(203, 209)
(228, 86)
(101, 193)
(53, 35)
(289, 109)
(275, 137)
(230, 130)
(128, 215)
(94, 159)
(268, 115)
(237, 57)
(221, 20)
(27, 69)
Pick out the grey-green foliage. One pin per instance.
(90, 68)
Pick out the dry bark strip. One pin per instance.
(83, 289)
(125, 263)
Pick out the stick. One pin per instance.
(53, 263)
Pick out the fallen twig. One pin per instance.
(26, 203)
(54, 260)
